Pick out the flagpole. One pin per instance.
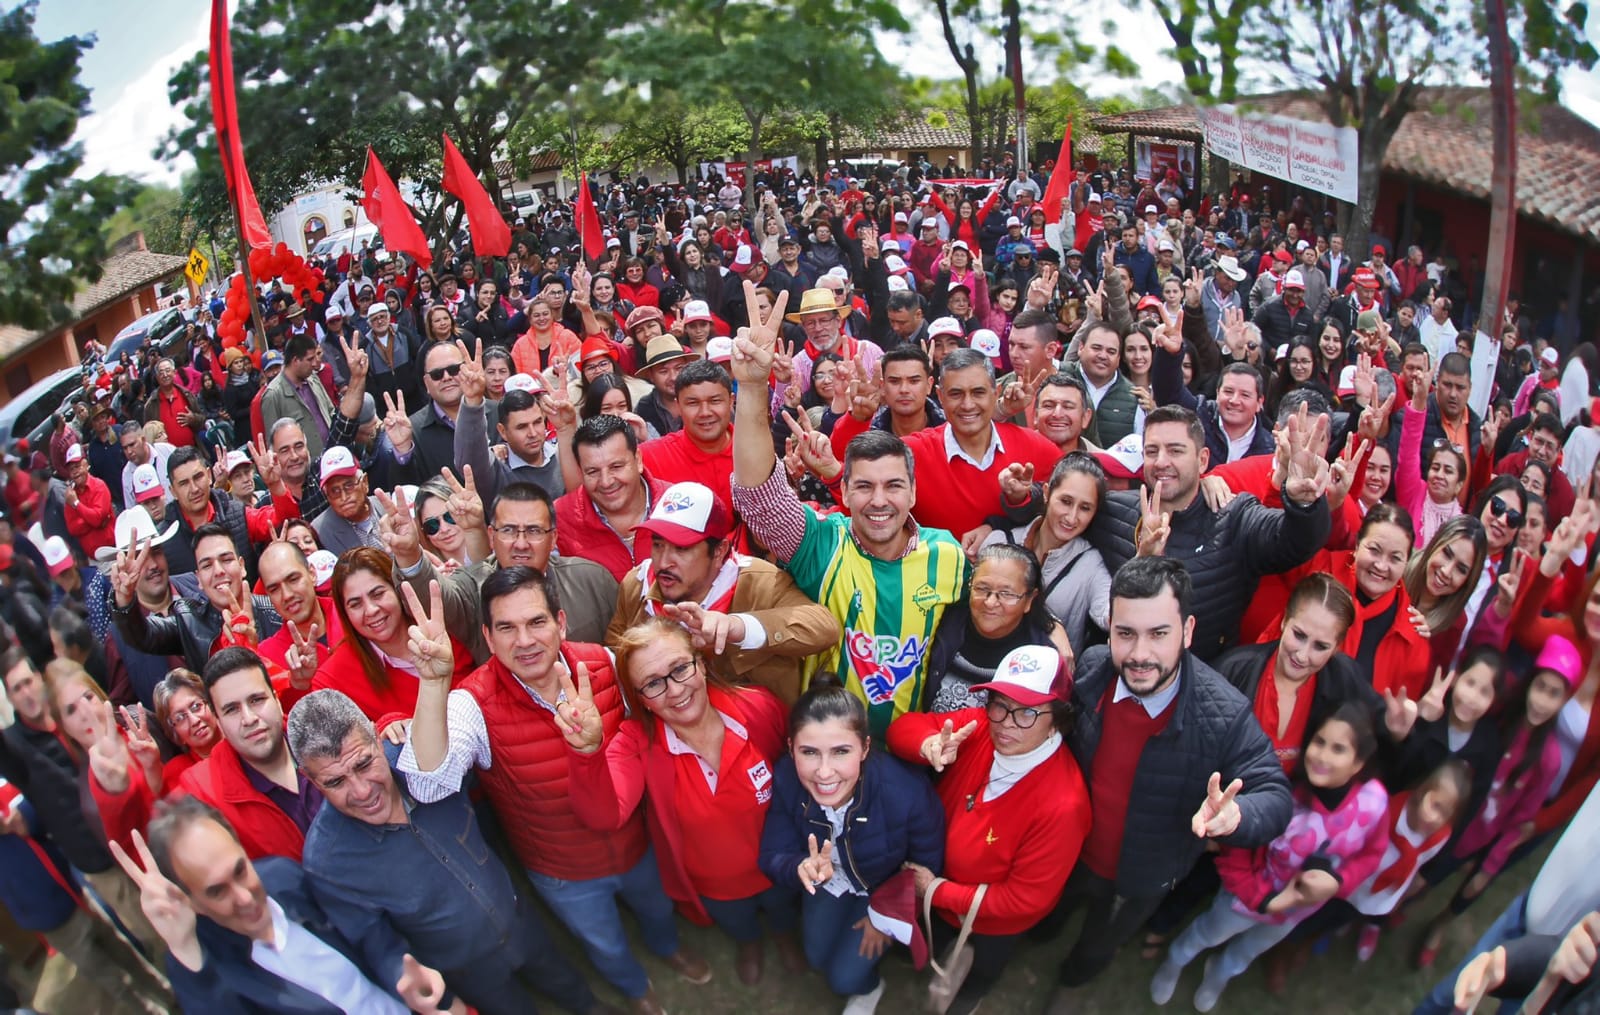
(260, 328)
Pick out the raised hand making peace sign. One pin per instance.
(355, 358)
(1219, 816)
(426, 639)
(130, 565)
(474, 381)
(301, 656)
(816, 869)
(940, 749)
(581, 722)
(755, 346)
(164, 903)
(1155, 525)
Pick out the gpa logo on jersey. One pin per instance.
(883, 662)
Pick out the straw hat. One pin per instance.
(818, 301)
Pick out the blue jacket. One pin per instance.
(1141, 264)
(32, 895)
(895, 816)
(230, 981)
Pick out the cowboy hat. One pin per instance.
(134, 529)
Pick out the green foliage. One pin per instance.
(1206, 39)
(50, 220)
(320, 80)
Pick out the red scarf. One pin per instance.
(1399, 872)
(846, 347)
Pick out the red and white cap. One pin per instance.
(56, 555)
(696, 310)
(1012, 220)
(946, 326)
(688, 513)
(322, 564)
(961, 245)
(1549, 358)
(146, 484)
(235, 459)
(1365, 276)
(894, 264)
(743, 259)
(338, 461)
(1293, 279)
(897, 284)
(1124, 459)
(720, 349)
(524, 382)
(1031, 675)
(74, 453)
(986, 342)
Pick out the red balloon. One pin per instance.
(318, 296)
(259, 261)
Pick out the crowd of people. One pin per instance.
(882, 564)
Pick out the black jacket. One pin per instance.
(190, 630)
(1226, 552)
(1340, 681)
(1212, 729)
(1166, 378)
(38, 764)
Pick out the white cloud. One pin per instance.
(120, 134)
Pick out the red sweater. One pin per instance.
(1022, 845)
(676, 459)
(706, 843)
(90, 520)
(581, 532)
(1125, 728)
(263, 828)
(955, 495)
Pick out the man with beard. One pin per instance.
(1174, 759)
(748, 617)
(196, 623)
(821, 320)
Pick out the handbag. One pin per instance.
(952, 973)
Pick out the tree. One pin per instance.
(157, 211)
(1205, 37)
(1367, 61)
(50, 219)
(319, 82)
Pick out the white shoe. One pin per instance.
(865, 1004)
(1165, 983)
(1211, 987)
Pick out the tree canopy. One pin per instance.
(51, 217)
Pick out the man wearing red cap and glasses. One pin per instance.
(748, 615)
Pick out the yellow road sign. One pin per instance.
(197, 267)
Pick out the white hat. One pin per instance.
(1165, 245)
(961, 245)
(743, 257)
(1031, 676)
(1012, 220)
(1301, 245)
(338, 461)
(696, 310)
(1151, 209)
(1125, 458)
(1093, 198)
(1229, 266)
(986, 342)
(901, 216)
(322, 564)
(719, 349)
(524, 382)
(56, 555)
(146, 484)
(838, 271)
(894, 264)
(1292, 279)
(688, 513)
(134, 528)
(946, 326)
(331, 313)
(74, 453)
(235, 459)
(613, 242)
(929, 221)
(1550, 357)
(379, 307)
(898, 284)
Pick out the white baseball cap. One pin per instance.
(986, 342)
(1550, 357)
(1030, 675)
(1124, 459)
(146, 484)
(524, 382)
(1012, 220)
(1151, 209)
(235, 459)
(894, 264)
(696, 310)
(338, 461)
(946, 326)
(379, 307)
(56, 555)
(719, 349)
(897, 284)
(74, 453)
(322, 564)
(1165, 245)
(1293, 279)
(838, 271)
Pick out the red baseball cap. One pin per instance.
(688, 513)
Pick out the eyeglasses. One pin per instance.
(1440, 443)
(340, 491)
(1500, 509)
(443, 372)
(981, 593)
(679, 674)
(432, 525)
(532, 533)
(191, 714)
(1022, 717)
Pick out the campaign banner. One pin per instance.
(1152, 159)
(1317, 156)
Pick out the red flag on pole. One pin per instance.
(387, 210)
(225, 111)
(491, 237)
(588, 221)
(1060, 179)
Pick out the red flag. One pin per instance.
(588, 221)
(1060, 179)
(225, 111)
(387, 210)
(491, 237)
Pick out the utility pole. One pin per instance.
(1011, 10)
(1503, 183)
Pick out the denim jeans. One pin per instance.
(503, 983)
(1244, 937)
(589, 909)
(1512, 924)
(740, 919)
(833, 945)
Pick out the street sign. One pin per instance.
(197, 267)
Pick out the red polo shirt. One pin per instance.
(173, 404)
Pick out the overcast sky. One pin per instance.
(140, 43)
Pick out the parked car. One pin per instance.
(161, 329)
(28, 414)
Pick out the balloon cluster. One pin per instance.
(301, 280)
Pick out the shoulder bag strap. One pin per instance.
(966, 922)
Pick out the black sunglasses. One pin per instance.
(432, 525)
(443, 372)
(1500, 509)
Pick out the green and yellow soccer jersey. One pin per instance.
(889, 609)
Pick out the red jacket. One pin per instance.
(342, 671)
(262, 827)
(528, 781)
(607, 786)
(581, 532)
(1022, 845)
(90, 520)
(275, 650)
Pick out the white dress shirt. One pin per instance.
(300, 957)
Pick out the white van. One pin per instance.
(347, 239)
